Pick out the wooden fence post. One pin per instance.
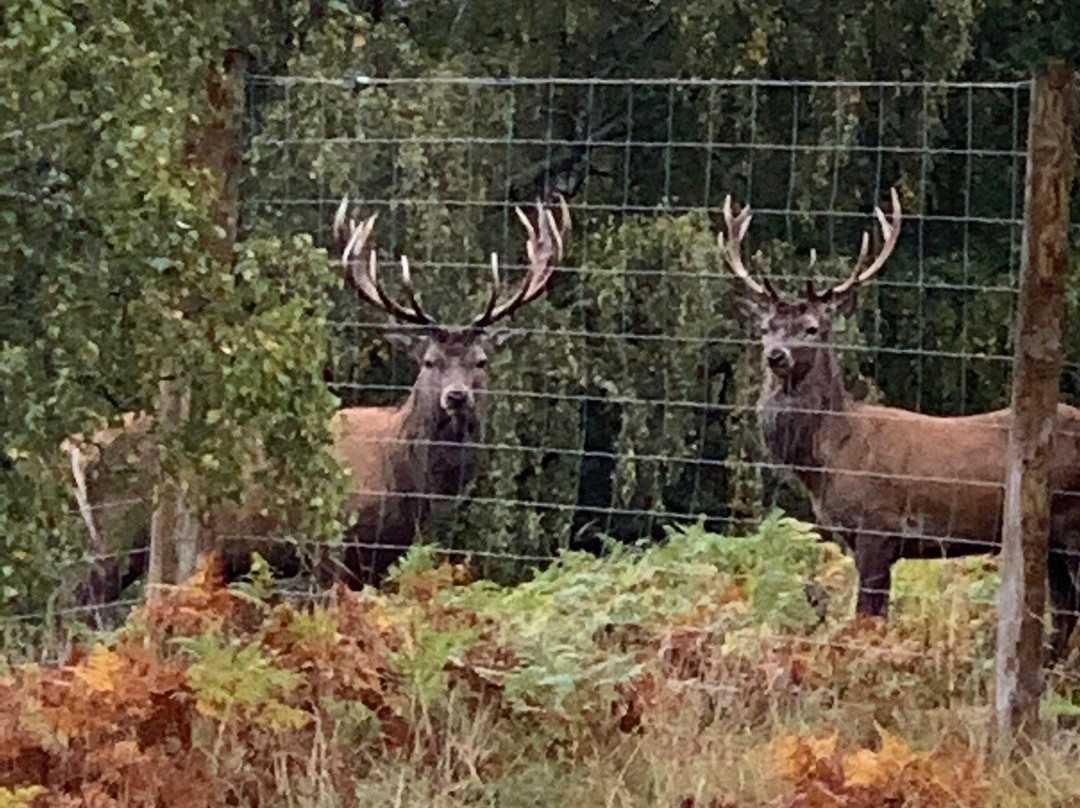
(173, 535)
(217, 145)
(1035, 388)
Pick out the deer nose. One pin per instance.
(777, 357)
(456, 398)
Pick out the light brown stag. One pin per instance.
(406, 460)
(889, 483)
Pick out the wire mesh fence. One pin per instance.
(624, 403)
(444, 159)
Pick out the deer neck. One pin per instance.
(441, 449)
(794, 412)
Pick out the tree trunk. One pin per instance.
(1036, 382)
(174, 534)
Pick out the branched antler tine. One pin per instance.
(358, 236)
(413, 315)
(530, 231)
(535, 250)
(493, 298)
(410, 292)
(864, 251)
(532, 241)
(350, 255)
(731, 247)
(543, 257)
(543, 246)
(890, 233)
(558, 254)
(339, 215)
(865, 269)
(362, 282)
(565, 222)
(366, 278)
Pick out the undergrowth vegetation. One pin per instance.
(702, 672)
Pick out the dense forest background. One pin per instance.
(168, 173)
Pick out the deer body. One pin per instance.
(889, 483)
(403, 467)
(893, 484)
(113, 472)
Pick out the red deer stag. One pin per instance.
(890, 483)
(403, 461)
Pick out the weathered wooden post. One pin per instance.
(1036, 380)
(217, 145)
(172, 530)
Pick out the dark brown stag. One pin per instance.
(403, 461)
(890, 483)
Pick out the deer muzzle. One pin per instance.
(456, 399)
(779, 360)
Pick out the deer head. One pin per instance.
(452, 360)
(794, 333)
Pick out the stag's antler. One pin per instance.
(366, 278)
(544, 248)
(545, 251)
(865, 269)
(731, 249)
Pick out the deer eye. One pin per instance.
(480, 363)
(811, 331)
(428, 363)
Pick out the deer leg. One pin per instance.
(1063, 569)
(874, 558)
(365, 565)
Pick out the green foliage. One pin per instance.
(121, 273)
(634, 402)
(419, 558)
(356, 722)
(20, 797)
(572, 626)
(1016, 37)
(775, 561)
(650, 674)
(771, 38)
(257, 586)
(422, 662)
(233, 681)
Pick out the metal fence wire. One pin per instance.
(625, 402)
(627, 407)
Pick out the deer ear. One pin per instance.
(497, 339)
(843, 304)
(414, 343)
(751, 310)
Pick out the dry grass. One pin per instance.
(688, 676)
